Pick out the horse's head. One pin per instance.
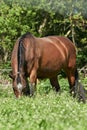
(20, 85)
(18, 64)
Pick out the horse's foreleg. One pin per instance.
(32, 84)
(26, 89)
(54, 83)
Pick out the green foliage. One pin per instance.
(46, 111)
(41, 18)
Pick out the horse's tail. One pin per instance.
(79, 88)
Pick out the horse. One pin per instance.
(44, 57)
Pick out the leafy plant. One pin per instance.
(45, 111)
(41, 18)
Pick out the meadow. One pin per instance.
(46, 111)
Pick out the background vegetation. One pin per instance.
(42, 18)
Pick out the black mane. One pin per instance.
(21, 50)
(28, 34)
(20, 55)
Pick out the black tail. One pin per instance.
(79, 88)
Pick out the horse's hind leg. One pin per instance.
(79, 88)
(72, 80)
(75, 86)
(54, 83)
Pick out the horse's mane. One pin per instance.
(26, 35)
(21, 49)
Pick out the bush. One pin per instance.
(42, 18)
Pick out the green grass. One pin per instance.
(46, 111)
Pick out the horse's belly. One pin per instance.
(52, 63)
(49, 69)
(46, 74)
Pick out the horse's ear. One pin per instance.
(11, 75)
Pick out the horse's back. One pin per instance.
(70, 50)
(57, 47)
(60, 43)
(57, 53)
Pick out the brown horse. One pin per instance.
(43, 58)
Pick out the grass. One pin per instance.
(46, 111)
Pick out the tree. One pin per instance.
(41, 18)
